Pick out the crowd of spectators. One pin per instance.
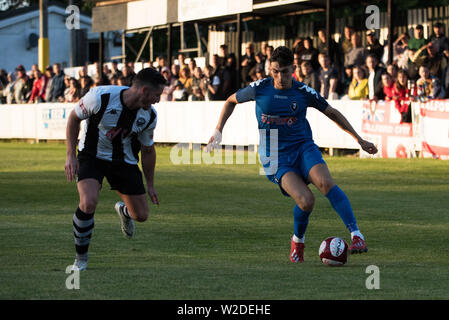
(343, 70)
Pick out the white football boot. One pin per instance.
(79, 264)
(127, 223)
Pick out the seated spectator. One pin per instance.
(428, 86)
(358, 89)
(374, 74)
(128, 76)
(297, 73)
(386, 90)
(115, 72)
(83, 72)
(57, 84)
(161, 63)
(107, 72)
(393, 69)
(345, 81)
(356, 55)
(39, 86)
(85, 84)
(114, 80)
(192, 65)
(181, 60)
(8, 90)
(259, 66)
(180, 94)
(186, 79)
(248, 62)
(439, 40)
(328, 77)
(401, 96)
(435, 62)
(196, 95)
(400, 51)
(308, 76)
(23, 86)
(175, 71)
(72, 93)
(309, 53)
(167, 93)
(210, 84)
(373, 46)
(197, 77)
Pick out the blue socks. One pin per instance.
(340, 203)
(300, 221)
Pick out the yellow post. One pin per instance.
(44, 54)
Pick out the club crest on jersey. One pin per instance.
(294, 106)
(140, 122)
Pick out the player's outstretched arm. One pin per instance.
(226, 112)
(148, 165)
(72, 131)
(343, 123)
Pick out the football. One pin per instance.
(334, 251)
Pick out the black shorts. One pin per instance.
(123, 177)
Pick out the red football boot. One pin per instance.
(297, 252)
(358, 245)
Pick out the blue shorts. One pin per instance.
(300, 161)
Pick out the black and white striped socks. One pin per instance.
(83, 226)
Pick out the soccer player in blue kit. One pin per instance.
(281, 103)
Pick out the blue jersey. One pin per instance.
(284, 110)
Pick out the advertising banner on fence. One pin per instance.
(434, 129)
(381, 125)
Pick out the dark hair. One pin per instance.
(149, 76)
(419, 27)
(283, 56)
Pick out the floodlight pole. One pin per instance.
(390, 30)
(44, 45)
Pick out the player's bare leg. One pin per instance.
(320, 176)
(305, 200)
(83, 220)
(133, 207)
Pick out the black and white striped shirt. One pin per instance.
(113, 132)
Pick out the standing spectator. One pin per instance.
(345, 81)
(435, 62)
(85, 84)
(308, 76)
(309, 53)
(167, 93)
(385, 91)
(57, 84)
(175, 70)
(259, 66)
(393, 69)
(197, 94)
(248, 62)
(373, 46)
(72, 93)
(345, 42)
(39, 86)
(439, 40)
(107, 72)
(223, 54)
(229, 75)
(270, 50)
(358, 89)
(356, 54)
(49, 74)
(180, 94)
(8, 91)
(210, 84)
(332, 52)
(328, 77)
(115, 72)
(298, 45)
(400, 51)
(128, 76)
(418, 40)
(192, 65)
(23, 86)
(197, 77)
(185, 79)
(401, 96)
(374, 74)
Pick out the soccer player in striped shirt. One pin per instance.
(120, 122)
(281, 106)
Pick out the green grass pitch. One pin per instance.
(223, 232)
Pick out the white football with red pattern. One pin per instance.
(334, 251)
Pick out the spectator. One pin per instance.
(128, 76)
(192, 65)
(115, 72)
(57, 84)
(8, 91)
(417, 41)
(401, 96)
(434, 61)
(374, 74)
(259, 66)
(260, 73)
(298, 45)
(439, 40)
(161, 63)
(373, 46)
(332, 51)
(196, 95)
(175, 71)
(167, 93)
(309, 53)
(39, 86)
(186, 79)
(308, 76)
(121, 81)
(345, 42)
(356, 55)
(107, 73)
(180, 94)
(400, 51)
(358, 89)
(223, 54)
(270, 50)
(414, 62)
(229, 75)
(85, 84)
(445, 81)
(114, 80)
(248, 62)
(328, 77)
(181, 60)
(83, 72)
(428, 86)
(210, 84)
(385, 91)
(72, 93)
(23, 86)
(197, 77)
(49, 74)
(263, 50)
(345, 81)
(393, 69)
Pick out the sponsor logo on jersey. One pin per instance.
(267, 119)
(276, 96)
(294, 106)
(140, 122)
(83, 108)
